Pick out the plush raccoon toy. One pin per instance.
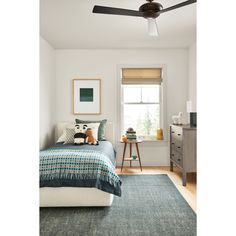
(80, 136)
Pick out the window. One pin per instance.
(141, 103)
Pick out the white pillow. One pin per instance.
(62, 137)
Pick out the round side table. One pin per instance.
(130, 158)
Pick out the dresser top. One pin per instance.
(185, 126)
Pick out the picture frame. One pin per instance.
(86, 96)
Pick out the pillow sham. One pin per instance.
(101, 128)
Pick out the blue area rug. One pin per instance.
(150, 205)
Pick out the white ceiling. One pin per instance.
(70, 24)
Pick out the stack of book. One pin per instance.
(131, 135)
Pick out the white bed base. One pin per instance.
(72, 196)
(76, 196)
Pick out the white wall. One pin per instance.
(71, 64)
(192, 85)
(47, 93)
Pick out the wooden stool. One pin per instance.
(130, 158)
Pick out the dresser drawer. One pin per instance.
(176, 130)
(176, 133)
(177, 146)
(177, 157)
(176, 138)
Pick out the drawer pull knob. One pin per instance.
(179, 159)
(179, 147)
(173, 132)
(179, 134)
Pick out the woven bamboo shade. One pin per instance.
(141, 76)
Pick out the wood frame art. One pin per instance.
(86, 96)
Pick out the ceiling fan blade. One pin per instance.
(182, 4)
(116, 11)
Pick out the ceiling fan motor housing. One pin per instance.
(151, 9)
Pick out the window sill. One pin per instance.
(153, 141)
(150, 139)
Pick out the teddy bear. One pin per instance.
(90, 139)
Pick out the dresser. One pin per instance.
(183, 150)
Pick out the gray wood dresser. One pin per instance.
(183, 149)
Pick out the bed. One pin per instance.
(80, 193)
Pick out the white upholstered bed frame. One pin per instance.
(76, 196)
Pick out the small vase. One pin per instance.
(159, 135)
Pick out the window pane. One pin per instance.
(132, 93)
(150, 93)
(143, 118)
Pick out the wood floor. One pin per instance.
(189, 192)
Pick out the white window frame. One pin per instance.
(151, 137)
(163, 103)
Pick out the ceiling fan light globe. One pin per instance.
(152, 27)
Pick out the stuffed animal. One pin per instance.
(90, 139)
(80, 136)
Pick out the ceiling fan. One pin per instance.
(150, 11)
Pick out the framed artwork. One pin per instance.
(86, 96)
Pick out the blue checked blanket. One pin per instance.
(78, 168)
